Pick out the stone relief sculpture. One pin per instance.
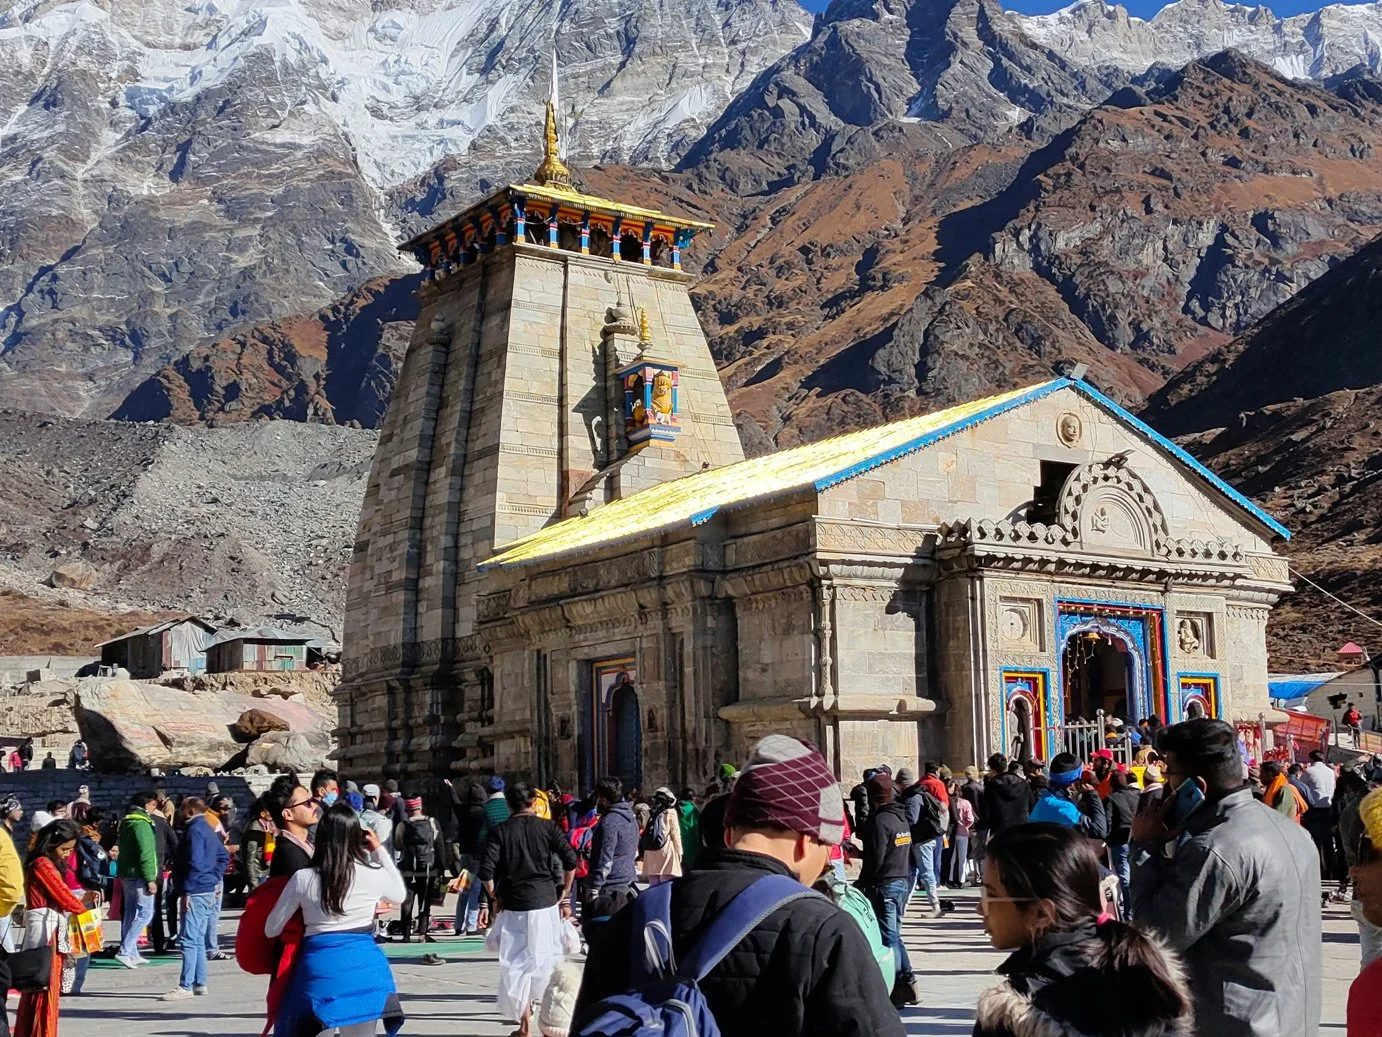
(1188, 636)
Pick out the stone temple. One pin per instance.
(566, 568)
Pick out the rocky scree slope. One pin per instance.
(253, 522)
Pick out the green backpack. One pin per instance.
(855, 904)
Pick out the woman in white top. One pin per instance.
(341, 981)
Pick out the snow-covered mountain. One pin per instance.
(409, 82)
(173, 168)
(1331, 41)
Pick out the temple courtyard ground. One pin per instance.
(951, 956)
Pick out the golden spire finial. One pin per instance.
(645, 335)
(552, 170)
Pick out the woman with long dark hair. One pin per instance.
(1073, 968)
(341, 980)
(48, 903)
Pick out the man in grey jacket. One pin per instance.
(1235, 888)
(613, 851)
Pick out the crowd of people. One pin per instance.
(1178, 892)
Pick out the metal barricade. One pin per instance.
(1082, 737)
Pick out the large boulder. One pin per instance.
(256, 722)
(77, 575)
(286, 751)
(133, 725)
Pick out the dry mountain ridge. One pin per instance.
(1291, 412)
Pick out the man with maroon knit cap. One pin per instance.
(806, 969)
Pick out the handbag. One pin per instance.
(31, 970)
(41, 924)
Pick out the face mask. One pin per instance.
(329, 799)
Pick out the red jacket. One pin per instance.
(261, 955)
(933, 784)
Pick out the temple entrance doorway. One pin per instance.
(613, 743)
(626, 736)
(1098, 675)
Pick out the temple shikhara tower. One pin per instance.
(557, 364)
(565, 567)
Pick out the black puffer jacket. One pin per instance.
(1066, 984)
(1007, 802)
(806, 970)
(887, 841)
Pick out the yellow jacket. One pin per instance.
(11, 875)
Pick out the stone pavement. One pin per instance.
(951, 956)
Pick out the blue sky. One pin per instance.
(1140, 8)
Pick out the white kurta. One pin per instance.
(529, 948)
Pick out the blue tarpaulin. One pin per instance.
(1287, 691)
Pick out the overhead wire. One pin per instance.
(1330, 594)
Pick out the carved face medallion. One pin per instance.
(1068, 429)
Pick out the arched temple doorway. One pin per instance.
(613, 745)
(1020, 733)
(1098, 673)
(626, 734)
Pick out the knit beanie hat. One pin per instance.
(905, 778)
(496, 783)
(1370, 812)
(972, 772)
(356, 801)
(787, 784)
(10, 805)
(880, 790)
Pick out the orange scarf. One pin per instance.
(1282, 786)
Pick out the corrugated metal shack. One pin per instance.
(257, 648)
(174, 644)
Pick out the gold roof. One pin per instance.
(696, 498)
(566, 198)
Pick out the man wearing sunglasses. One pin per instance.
(1234, 887)
(296, 812)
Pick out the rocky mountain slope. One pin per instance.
(336, 366)
(1291, 412)
(1154, 228)
(1328, 42)
(170, 172)
(253, 521)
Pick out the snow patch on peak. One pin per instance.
(411, 81)
(1307, 46)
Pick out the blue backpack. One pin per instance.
(666, 1000)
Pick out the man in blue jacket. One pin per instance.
(613, 851)
(1068, 799)
(198, 868)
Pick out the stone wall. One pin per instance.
(14, 669)
(36, 789)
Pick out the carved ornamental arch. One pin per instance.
(1105, 504)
